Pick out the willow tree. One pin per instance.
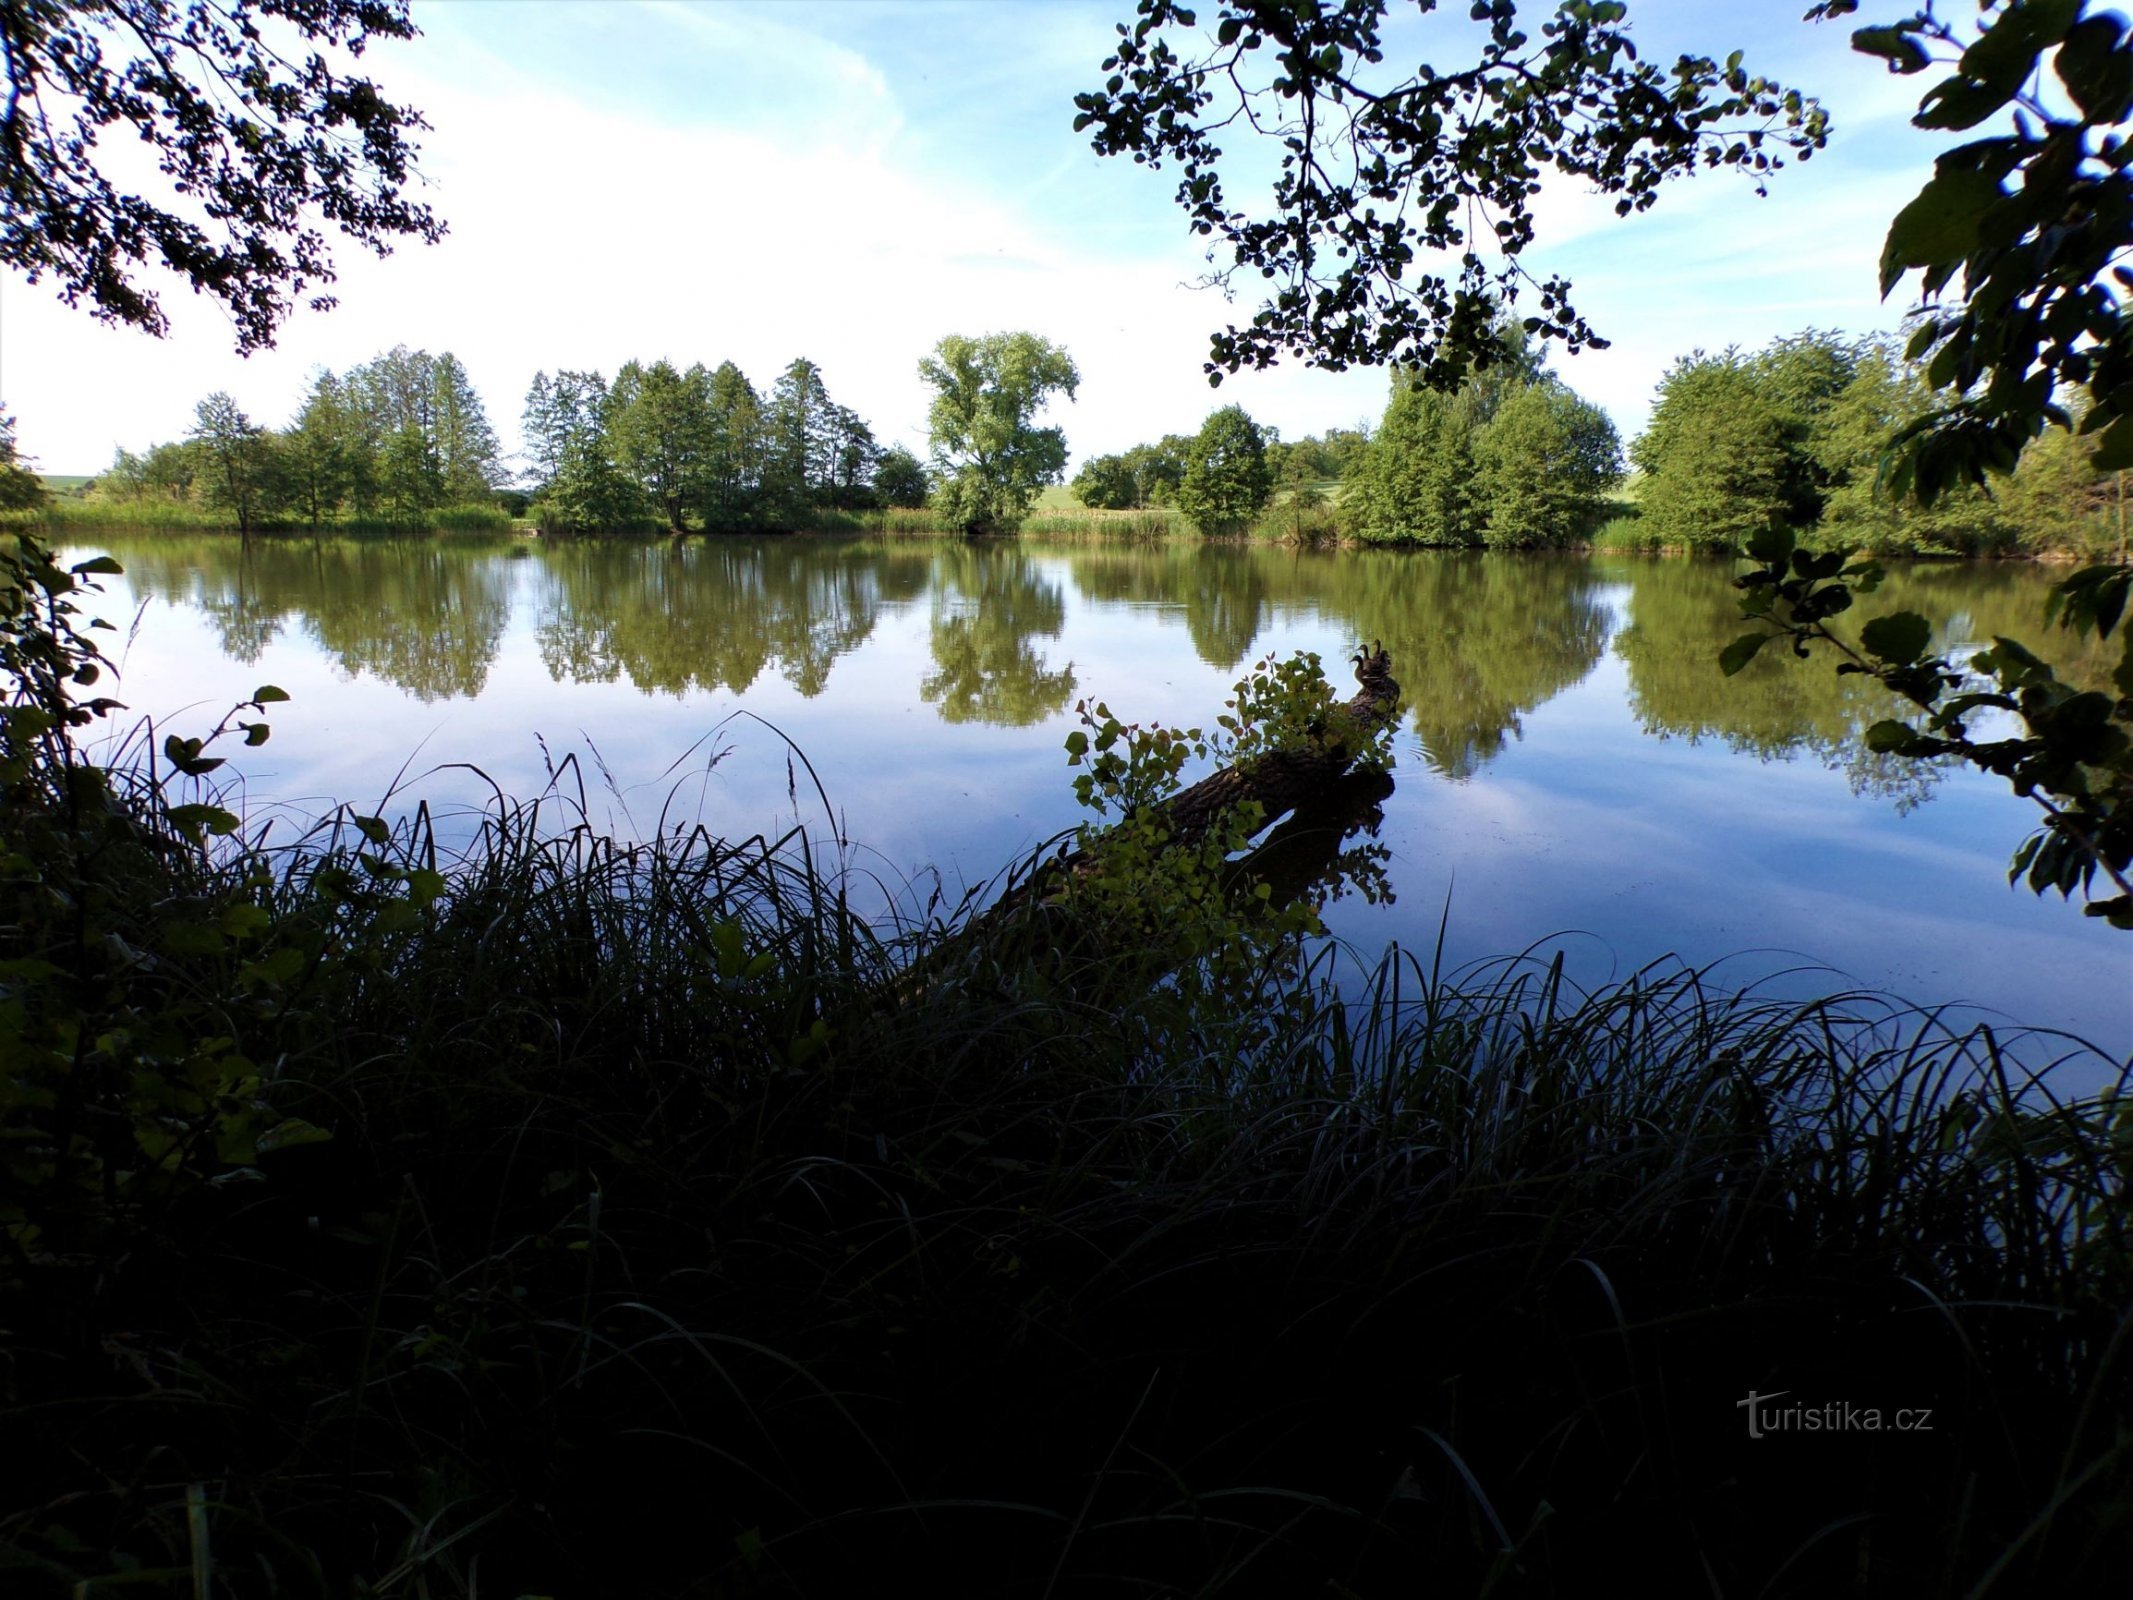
(989, 455)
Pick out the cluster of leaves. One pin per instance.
(143, 941)
(1146, 885)
(261, 143)
(2073, 753)
(1374, 173)
(1286, 705)
(2033, 221)
(1228, 479)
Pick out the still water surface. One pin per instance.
(1572, 768)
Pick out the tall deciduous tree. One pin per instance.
(261, 145)
(988, 453)
(1543, 467)
(1227, 479)
(234, 455)
(734, 474)
(1717, 467)
(1416, 482)
(324, 452)
(660, 430)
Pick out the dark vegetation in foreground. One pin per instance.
(561, 1216)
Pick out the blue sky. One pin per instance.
(850, 180)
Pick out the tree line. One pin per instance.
(703, 449)
(401, 437)
(1795, 436)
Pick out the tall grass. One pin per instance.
(155, 513)
(679, 1231)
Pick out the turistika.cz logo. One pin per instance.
(1766, 1417)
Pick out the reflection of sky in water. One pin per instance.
(1584, 831)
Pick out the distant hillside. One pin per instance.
(64, 482)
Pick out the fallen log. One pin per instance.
(1315, 778)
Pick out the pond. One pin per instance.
(1573, 772)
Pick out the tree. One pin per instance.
(798, 443)
(733, 473)
(321, 452)
(1849, 441)
(1717, 470)
(1227, 479)
(660, 431)
(1106, 483)
(264, 145)
(855, 456)
(989, 457)
(1416, 482)
(234, 453)
(566, 426)
(1377, 171)
(1543, 466)
(900, 478)
(20, 488)
(468, 456)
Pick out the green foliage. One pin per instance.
(1227, 480)
(1173, 905)
(1416, 485)
(1106, 483)
(270, 148)
(900, 479)
(239, 471)
(20, 487)
(2031, 221)
(1543, 467)
(1717, 470)
(658, 424)
(2073, 754)
(1379, 172)
(989, 458)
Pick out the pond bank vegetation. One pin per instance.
(559, 1215)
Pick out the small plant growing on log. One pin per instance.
(1144, 883)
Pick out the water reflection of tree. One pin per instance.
(426, 615)
(1682, 613)
(715, 614)
(989, 602)
(1220, 589)
(1476, 640)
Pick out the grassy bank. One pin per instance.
(563, 1216)
(65, 517)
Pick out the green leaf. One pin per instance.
(1742, 651)
(1900, 638)
(266, 694)
(289, 1134)
(1939, 226)
(1961, 103)
(1895, 46)
(2115, 449)
(372, 828)
(1888, 736)
(1771, 545)
(96, 565)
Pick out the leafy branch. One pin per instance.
(2074, 754)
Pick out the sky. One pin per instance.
(851, 180)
